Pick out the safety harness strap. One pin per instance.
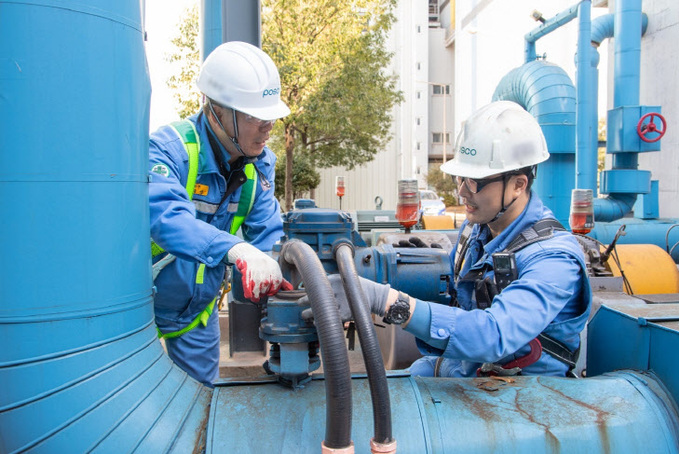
(485, 291)
(247, 198)
(201, 318)
(187, 132)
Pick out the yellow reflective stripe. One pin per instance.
(187, 132)
(200, 274)
(201, 318)
(247, 198)
(155, 249)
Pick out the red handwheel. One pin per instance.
(645, 129)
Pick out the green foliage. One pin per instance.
(443, 184)
(331, 56)
(304, 177)
(601, 152)
(183, 79)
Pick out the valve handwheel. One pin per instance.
(645, 129)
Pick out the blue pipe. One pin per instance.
(586, 131)
(81, 368)
(210, 26)
(628, 28)
(549, 26)
(546, 91)
(621, 412)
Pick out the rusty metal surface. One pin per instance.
(433, 415)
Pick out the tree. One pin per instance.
(331, 56)
(304, 177)
(187, 55)
(443, 184)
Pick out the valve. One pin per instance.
(644, 129)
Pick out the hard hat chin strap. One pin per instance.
(234, 139)
(504, 208)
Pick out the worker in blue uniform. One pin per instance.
(521, 291)
(211, 175)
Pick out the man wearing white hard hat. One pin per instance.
(521, 291)
(211, 176)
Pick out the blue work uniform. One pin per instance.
(196, 232)
(552, 295)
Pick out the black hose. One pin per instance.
(377, 377)
(331, 337)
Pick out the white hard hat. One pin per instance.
(243, 77)
(497, 138)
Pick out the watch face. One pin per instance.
(398, 312)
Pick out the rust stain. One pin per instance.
(601, 416)
(550, 438)
(201, 439)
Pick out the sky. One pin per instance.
(162, 18)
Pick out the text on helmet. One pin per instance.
(271, 91)
(469, 151)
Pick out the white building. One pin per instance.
(466, 47)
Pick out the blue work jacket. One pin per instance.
(552, 295)
(197, 231)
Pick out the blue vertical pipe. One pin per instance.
(210, 26)
(628, 29)
(627, 67)
(585, 154)
(81, 368)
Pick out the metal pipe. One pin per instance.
(372, 356)
(331, 337)
(81, 368)
(586, 130)
(549, 26)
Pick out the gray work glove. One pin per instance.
(376, 297)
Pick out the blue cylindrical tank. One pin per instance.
(623, 412)
(81, 368)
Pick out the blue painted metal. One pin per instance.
(549, 26)
(647, 206)
(420, 272)
(210, 26)
(294, 341)
(546, 91)
(81, 368)
(321, 229)
(623, 136)
(612, 413)
(642, 337)
(587, 129)
(638, 231)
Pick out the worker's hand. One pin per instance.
(376, 297)
(414, 241)
(261, 273)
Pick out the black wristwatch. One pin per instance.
(399, 312)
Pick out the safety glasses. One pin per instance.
(256, 121)
(476, 186)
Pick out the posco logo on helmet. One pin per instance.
(271, 91)
(469, 151)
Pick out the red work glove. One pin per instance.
(261, 273)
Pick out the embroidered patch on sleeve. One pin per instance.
(201, 189)
(161, 169)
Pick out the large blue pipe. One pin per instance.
(622, 412)
(546, 91)
(587, 129)
(80, 365)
